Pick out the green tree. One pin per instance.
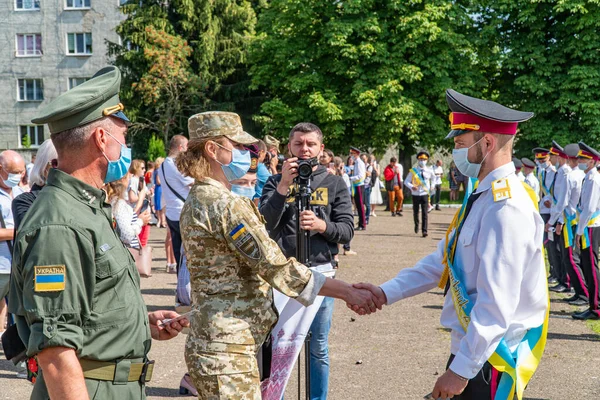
(368, 72)
(156, 148)
(547, 57)
(168, 86)
(26, 141)
(212, 56)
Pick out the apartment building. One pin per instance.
(46, 48)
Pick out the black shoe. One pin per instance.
(437, 208)
(584, 311)
(393, 214)
(425, 234)
(560, 288)
(572, 298)
(579, 302)
(416, 228)
(552, 280)
(588, 314)
(361, 228)
(399, 213)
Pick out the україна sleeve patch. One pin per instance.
(50, 278)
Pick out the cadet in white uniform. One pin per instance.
(557, 209)
(546, 174)
(498, 257)
(588, 228)
(530, 178)
(571, 255)
(519, 169)
(420, 182)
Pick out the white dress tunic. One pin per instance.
(500, 252)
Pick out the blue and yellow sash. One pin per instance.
(585, 239)
(418, 178)
(518, 366)
(548, 191)
(570, 223)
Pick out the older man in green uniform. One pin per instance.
(75, 289)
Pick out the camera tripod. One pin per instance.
(303, 194)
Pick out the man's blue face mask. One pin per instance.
(118, 168)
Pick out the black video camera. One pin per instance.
(305, 167)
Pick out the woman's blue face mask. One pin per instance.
(239, 165)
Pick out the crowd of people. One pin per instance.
(567, 184)
(233, 225)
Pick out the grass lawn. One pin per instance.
(594, 326)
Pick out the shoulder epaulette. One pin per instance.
(501, 189)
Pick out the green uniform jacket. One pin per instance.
(75, 285)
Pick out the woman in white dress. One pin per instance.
(376, 186)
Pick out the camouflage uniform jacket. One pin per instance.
(233, 264)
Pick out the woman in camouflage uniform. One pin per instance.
(233, 265)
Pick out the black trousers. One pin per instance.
(435, 198)
(423, 202)
(360, 205)
(589, 265)
(552, 250)
(176, 240)
(480, 387)
(572, 264)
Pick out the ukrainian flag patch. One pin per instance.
(245, 242)
(49, 278)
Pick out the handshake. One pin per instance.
(365, 298)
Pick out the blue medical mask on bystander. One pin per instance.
(244, 191)
(13, 180)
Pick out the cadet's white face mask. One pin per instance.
(461, 159)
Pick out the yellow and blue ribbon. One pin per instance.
(585, 238)
(418, 178)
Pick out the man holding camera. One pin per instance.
(329, 219)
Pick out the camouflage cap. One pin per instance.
(218, 123)
(270, 141)
(92, 100)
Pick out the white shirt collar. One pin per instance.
(498, 173)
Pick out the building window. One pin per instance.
(79, 43)
(35, 133)
(78, 4)
(31, 90)
(76, 82)
(27, 4)
(29, 45)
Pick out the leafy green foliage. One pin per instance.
(547, 61)
(183, 57)
(169, 85)
(26, 142)
(156, 148)
(369, 73)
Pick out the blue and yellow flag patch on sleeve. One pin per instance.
(50, 278)
(245, 242)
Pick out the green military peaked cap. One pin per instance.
(218, 123)
(92, 100)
